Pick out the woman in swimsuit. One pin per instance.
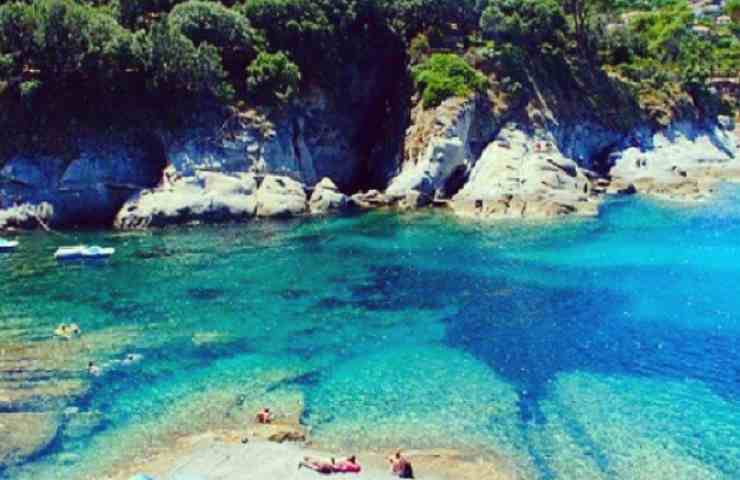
(348, 465)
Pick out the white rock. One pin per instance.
(326, 197)
(206, 197)
(280, 197)
(513, 178)
(445, 151)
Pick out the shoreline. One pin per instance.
(223, 455)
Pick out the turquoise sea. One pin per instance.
(591, 349)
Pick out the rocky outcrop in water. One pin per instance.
(280, 197)
(305, 158)
(327, 198)
(441, 147)
(520, 176)
(684, 162)
(204, 197)
(512, 166)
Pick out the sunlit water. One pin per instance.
(589, 349)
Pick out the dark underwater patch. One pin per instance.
(205, 294)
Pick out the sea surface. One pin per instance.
(604, 348)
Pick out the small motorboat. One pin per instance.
(83, 252)
(7, 245)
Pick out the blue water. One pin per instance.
(604, 348)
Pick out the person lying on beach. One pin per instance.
(400, 466)
(317, 465)
(264, 416)
(349, 465)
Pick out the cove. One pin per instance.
(604, 348)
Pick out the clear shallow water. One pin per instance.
(590, 349)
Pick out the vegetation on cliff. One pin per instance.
(67, 61)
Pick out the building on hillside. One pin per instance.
(701, 30)
(707, 8)
(723, 20)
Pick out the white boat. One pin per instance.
(83, 252)
(7, 245)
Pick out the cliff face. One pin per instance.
(530, 167)
(237, 165)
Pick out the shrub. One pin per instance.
(211, 22)
(524, 22)
(732, 8)
(63, 37)
(272, 77)
(446, 75)
(174, 63)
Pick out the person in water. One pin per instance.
(400, 466)
(93, 369)
(348, 465)
(264, 416)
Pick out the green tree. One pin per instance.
(446, 75)
(273, 78)
(732, 8)
(174, 64)
(210, 22)
(524, 22)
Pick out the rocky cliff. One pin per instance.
(236, 165)
(521, 164)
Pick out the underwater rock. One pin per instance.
(25, 435)
(81, 424)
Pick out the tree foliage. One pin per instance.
(446, 75)
(523, 22)
(273, 78)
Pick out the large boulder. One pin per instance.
(370, 199)
(326, 198)
(439, 144)
(521, 175)
(26, 216)
(280, 197)
(25, 435)
(206, 197)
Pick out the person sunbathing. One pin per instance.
(349, 465)
(400, 466)
(317, 465)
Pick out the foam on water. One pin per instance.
(591, 349)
